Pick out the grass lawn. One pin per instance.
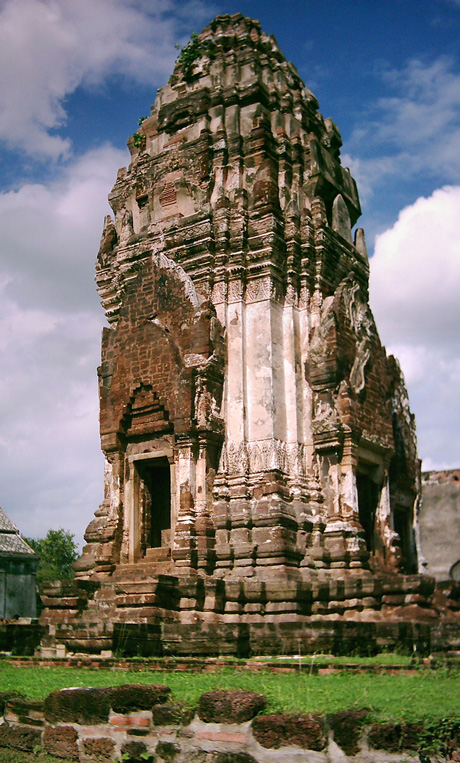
(17, 756)
(403, 696)
(384, 658)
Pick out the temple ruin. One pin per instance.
(261, 477)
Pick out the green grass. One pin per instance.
(384, 658)
(422, 694)
(18, 756)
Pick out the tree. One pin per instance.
(56, 552)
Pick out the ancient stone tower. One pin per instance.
(261, 467)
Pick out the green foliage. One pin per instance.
(56, 552)
(440, 737)
(191, 53)
(139, 139)
(140, 120)
(19, 756)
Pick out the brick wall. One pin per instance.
(138, 723)
(146, 352)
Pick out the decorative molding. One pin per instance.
(263, 456)
(361, 320)
(304, 298)
(262, 289)
(219, 292)
(292, 296)
(166, 263)
(235, 291)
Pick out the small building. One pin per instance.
(439, 523)
(18, 566)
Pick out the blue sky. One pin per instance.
(74, 79)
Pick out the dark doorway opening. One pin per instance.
(368, 498)
(155, 477)
(403, 526)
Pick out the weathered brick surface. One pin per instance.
(139, 355)
(347, 729)
(396, 736)
(78, 706)
(411, 735)
(19, 737)
(306, 731)
(230, 706)
(125, 699)
(137, 751)
(5, 696)
(166, 715)
(25, 710)
(61, 741)
(233, 757)
(385, 736)
(167, 750)
(129, 721)
(100, 748)
(237, 737)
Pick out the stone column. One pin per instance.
(183, 547)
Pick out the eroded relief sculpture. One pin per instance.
(261, 465)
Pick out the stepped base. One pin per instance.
(291, 612)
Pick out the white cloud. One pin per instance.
(50, 324)
(426, 109)
(415, 130)
(51, 466)
(414, 287)
(369, 172)
(49, 233)
(48, 48)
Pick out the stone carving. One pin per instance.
(219, 292)
(108, 242)
(165, 263)
(127, 229)
(362, 323)
(263, 456)
(235, 291)
(341, 218)
(262, 469)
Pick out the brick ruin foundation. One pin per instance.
(137, 723)
(261, 478)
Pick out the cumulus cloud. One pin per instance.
(49, 48)
(50, 324)
(414, 287)
(49, 232)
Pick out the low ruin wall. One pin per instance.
(439, 523)
(137, 723)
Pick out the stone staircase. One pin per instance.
(101, 616)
